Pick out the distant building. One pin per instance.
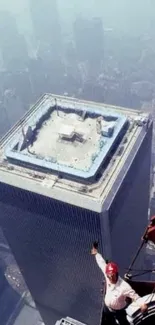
(22, 83)
(12, 107)
(152, 206)
(72, 172)
(12, 45)
(89, 41)
(4, 120)
(16, 310)
(16, 92)
(9, 299)
(45, 20)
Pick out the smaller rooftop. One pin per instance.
(26, 316)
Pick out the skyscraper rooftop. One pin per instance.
(70, 138)
(70, 149)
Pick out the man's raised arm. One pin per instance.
(99, 259)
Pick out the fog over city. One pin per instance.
(99, 50)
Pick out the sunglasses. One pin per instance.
(111, 275)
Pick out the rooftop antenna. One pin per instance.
(58, 168)
(56, 107)
(58, 176)
(57, 162)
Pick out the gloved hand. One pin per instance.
(144, 308)
(94, 249)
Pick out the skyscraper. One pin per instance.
(12, 44)
(72, 172)
(45, 20)
(89, 34)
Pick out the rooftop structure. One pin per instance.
(67, 137)
(65, 148)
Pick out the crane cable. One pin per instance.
(134, 259)
(129, 276)
(145, 239)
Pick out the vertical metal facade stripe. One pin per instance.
(51, 242)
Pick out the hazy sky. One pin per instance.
(15, 6)
(21, 11)
(128, 14)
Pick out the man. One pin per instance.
(117, 292)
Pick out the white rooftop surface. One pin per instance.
(87, 196)
(74, 154)
(28, 316)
